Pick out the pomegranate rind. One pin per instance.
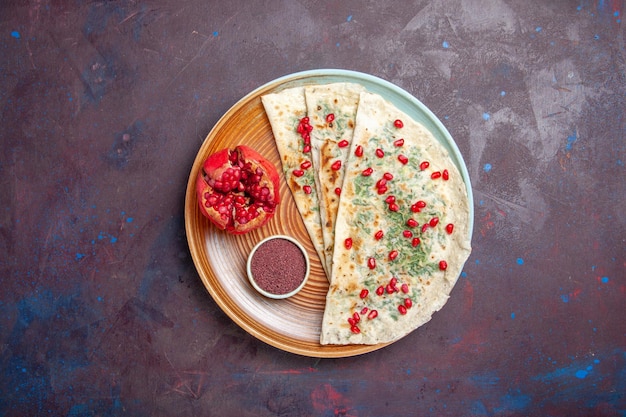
(212, 170)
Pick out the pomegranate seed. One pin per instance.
(305, 165)
(394, 207)
(379, 235)
(435, 175)
(404, 288)
(355, 329)
(424, 165)
(393, 255)
(298, 172)
(398, 123)
(390, 199)
(380, 153)
(424, 227)
(336, 166)
(403, 159)
(449, 228)
(348, 243)
(415, 208)
(306, 148)
(381, 183)
(416, 241)
(443, 265)
(330, 117)
(364, 293)
(343, 143)
(307, 189)
(399, 142)
(352, 321)
(380, 290)
(420, 204)
(390, 289)
(356, 317)
(412, 223)
(305, 120)
(445, 175)
(306, 138)
(434, 221)
(309, 128)
(338, 191)
(364, 311)
(408, 303)
(300, 128)
(372, 314)
(367, 172)
(358, 151)
(371, 263)
(407, 233)
(388, 176)
(382, 190)
(402, 309)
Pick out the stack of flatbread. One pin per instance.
(385, 207)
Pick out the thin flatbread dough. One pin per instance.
(330, 140)
(284, 110)
(385, 286)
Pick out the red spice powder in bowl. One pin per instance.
(278, 267)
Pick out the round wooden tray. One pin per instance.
(220, 258)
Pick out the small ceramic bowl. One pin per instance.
(278, 267)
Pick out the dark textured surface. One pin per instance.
(104, 105)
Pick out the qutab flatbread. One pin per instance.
(286, 110)
(332, 112)
(401, 233)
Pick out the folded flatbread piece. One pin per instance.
(285, 111)
(401, 233)
(332, 112)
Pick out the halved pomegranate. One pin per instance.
(238, 189)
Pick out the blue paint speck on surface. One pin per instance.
(445, 44)
(216, 33)
(520, 261)
(513, 316)
(570, 141)
(538, 29)
(487, 167)
(513, 401)
(349, 18)
(16, 34)
(605, 280)
(337, 44)
(565, 298)
(503, 93)
(129, 220)
(80, 256)
(486, 116)
(113, 239)
(581, 374)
